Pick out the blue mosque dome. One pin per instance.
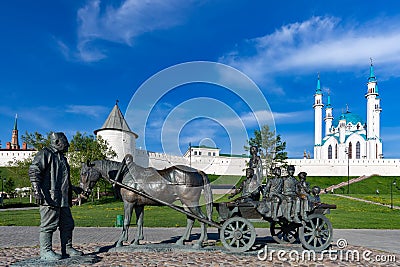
(349, 117)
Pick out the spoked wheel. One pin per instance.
(284, 232)
(238, 234)
(316, 233)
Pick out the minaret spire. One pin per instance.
(15, 122)
(14, 136)
(318, 105)
(318, 90)
(372, 77)
(329, 99)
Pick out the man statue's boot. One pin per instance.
(66, 245)
(46, 251)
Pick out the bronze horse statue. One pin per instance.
(174, 183)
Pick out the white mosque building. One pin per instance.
(350, 145)
(349, 136)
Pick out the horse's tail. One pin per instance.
(208, 197)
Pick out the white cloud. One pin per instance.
(99, 21)
(320, 43)
(91, 111)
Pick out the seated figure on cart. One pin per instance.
(272, 193)
(291, 191)
(303, 205)
(249, 187)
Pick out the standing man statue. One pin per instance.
(50, 178)
(290, 191)
(256, 164)
(302, 203)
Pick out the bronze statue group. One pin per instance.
(285, 196)
(49, 174)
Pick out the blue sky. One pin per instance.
(64, 63)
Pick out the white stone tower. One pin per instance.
(318, 105)
(328, 116)
(117, 133)
(374, 143)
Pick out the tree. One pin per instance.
(82, 148)
(85, 148)
(9, 186)
(271, 147)
(280, 153)
(36, 140)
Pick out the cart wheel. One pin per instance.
(316, 233)
(237, 234)
(284, 232)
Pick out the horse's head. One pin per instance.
(89, 177)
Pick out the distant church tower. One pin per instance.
(117, 133)
(374, 143)
(318, 105)
(14, 137)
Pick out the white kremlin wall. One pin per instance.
(352, 167)
(219, 165)
(8, 157)
(224, 165)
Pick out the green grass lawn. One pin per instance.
(381, 198)
(349, 214)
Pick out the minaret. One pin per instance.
(328, 116)
(14, 137)
(374, 145)
(318, 120)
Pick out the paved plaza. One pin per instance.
(21, 243)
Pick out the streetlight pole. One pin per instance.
(190, 154)
(2, 190)
(391, 193)
(348, 169)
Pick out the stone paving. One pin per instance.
(19, 244)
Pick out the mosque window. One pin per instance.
(336, 154)
(358, 148)
(350, 150)
(329, 152)
(195, 153)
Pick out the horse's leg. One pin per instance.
(195, 209)
(188, 230)
(128, 208)
(139, 211)
(203, 235)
